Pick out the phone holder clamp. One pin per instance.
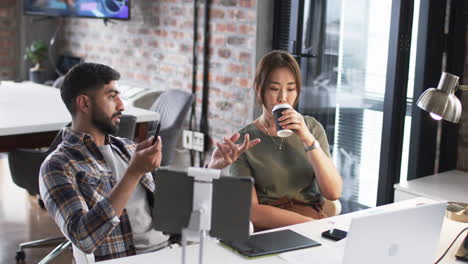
(200, 218)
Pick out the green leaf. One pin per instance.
(36, 52)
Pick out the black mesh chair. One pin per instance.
(173, 106)
(58, 82)
(127, 127)
(24, 168)
(27, 177)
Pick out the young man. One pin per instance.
(99, 187)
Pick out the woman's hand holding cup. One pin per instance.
(277, 112)
(294, 121)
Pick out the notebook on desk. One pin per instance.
(271, 243)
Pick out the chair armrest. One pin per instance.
(331, 208)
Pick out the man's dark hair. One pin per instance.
(85, 77)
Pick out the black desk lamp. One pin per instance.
(442, 103)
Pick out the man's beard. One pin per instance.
(102, 122)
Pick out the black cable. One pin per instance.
(206, 66)
(108, 20)
(453, 242)
(194, 75)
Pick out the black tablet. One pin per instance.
(271, 243)
(231, 203)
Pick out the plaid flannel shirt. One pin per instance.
(74, 184)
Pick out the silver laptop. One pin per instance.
(409, 235)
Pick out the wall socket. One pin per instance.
(198, 141)
(187, 137)
(193, 140)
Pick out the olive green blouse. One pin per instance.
(286, 172)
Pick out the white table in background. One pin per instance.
(450, 186)
(31, 114)
(216, 253)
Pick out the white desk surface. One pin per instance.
(215, 253)
(28, 107)
(450, 185)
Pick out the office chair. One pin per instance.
(58, 82)
(173, 106)
(127, 127)
(27, 177)
(331, 208)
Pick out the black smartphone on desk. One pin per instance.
(156, 134)
(335, 234)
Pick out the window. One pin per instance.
(342, 47)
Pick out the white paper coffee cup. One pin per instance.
(276, 115)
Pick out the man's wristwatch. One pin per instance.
(314, 145)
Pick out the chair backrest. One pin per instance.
(25, 164)
(57, 140)
(127, 127)
(58, 82)
(173, 106)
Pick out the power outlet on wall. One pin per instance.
(198, 141)
(187, 139)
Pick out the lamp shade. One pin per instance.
(442, 101)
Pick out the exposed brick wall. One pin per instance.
(154, 49)
(8, 39)
(463, 132)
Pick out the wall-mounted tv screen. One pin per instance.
(114, 9)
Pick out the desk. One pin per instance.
(31, 115)
(451, 186)
(215, 253)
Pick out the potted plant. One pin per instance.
(36, 53)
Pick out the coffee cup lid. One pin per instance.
(281, 106)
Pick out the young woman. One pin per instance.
(293, 175)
